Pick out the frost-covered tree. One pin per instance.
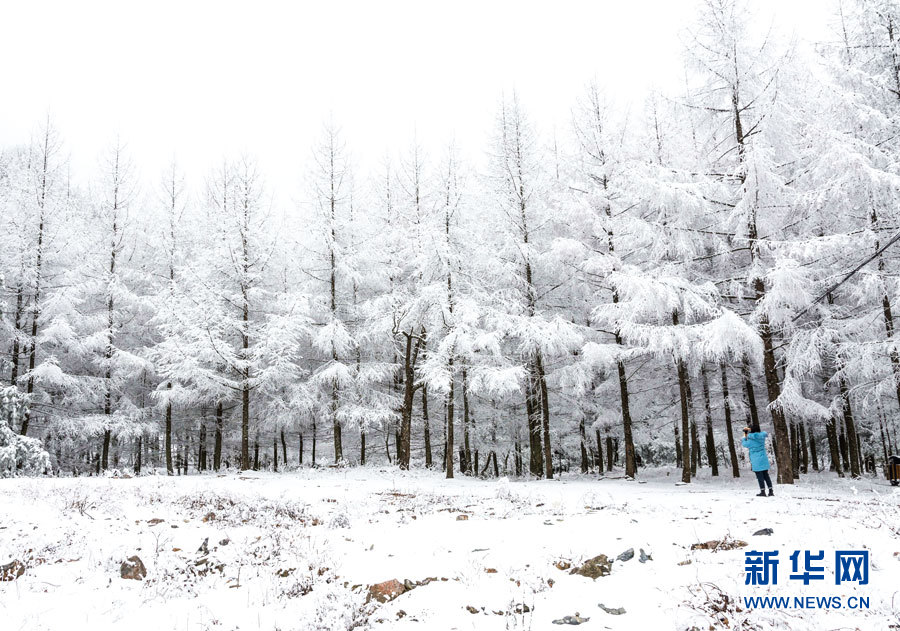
(517, 187)
(331, 188)
(739, 79)
(19, 455)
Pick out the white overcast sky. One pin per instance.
(205, 79)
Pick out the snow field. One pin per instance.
(298, 551)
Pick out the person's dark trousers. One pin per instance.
(763, 478)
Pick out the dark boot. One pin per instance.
(771, 492)
(762, 493)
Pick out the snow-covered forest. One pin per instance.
(625, 292)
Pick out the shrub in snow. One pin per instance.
(337, 608)
(19, 455)
(339, 520)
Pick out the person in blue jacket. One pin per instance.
(759, 460)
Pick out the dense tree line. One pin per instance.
(624, 295)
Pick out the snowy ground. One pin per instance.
(298, 551)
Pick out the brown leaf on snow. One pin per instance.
(11, 571)
(715, 544)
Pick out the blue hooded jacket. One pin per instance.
(756, 443)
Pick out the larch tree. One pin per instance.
(740, 76)
(331, 183)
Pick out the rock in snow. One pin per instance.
(594, 568)
(133, 569)
(386, 591)
(627, 555)
(764, 531)
(11, 571)
(613, 611)
(576, 619)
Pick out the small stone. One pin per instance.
(204, 547)
(471, 609)
(210, 516)
(155, 520)
(386, 591)
(644, 557)
(462, 517)
(764, 531)
(576, 619)
(613, 611)
(490, 570)
(11, 571)
(133, 569)
(626, 556)
(224, 542)
(594, 568)
(685, 562)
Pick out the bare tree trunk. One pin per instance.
(202, 452)
(610, 453)
(583, 442)
(630, 464)
(467, 440)
(413, 346)
(467, 426)
(448, 442)
(17, 327)
(842, 441)
(834, 445)
(862, 457)
(795, 449)
(599, 452)
(679, 453)
(336, 424)
(732, 451)
(804, 453)
(545, 416)
(533, 412)
(217, 445)
(283, 448)
(169, 468)
(245, 419)
(782, 439)
(812, 447)
(852, 444)
(275, 453)
(684, 393)
(426, 427)
(696, 463)
(711, 456)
